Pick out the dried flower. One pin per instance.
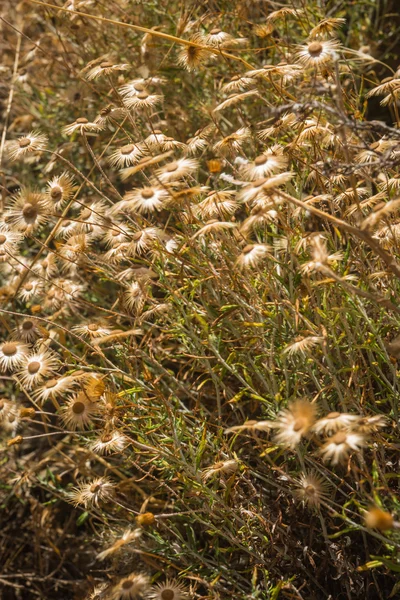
(29, 143)
(311, 488)
(92, 493)
(170, 590)
(225, 467)
(129, 536)
(130, 588)
(295, 422)
(338, 447)
(78, 412)
(334, 421)
(12, 354)
(318, 53)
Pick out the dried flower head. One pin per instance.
(182, 167)
(109, 442)
(311, 488)
(193, 55)
(105, 67)
(130, 588)
(78, 412)
(81, 125)
(252, 255)
(89, 494)
(334, 421)
(12, 354)
(266, 164)
(129, 536)
(29, 143)
(318, 53)
(295, 422)
(339, 447)
(27, 211)
(36, 366)
(224, 467)
(170, 590)
(60, 189)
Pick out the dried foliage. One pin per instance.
(199, 280)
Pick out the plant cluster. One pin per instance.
(199, 272)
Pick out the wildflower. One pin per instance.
(303, 345)
(106, 67)
(333, 422)
(252, 254)
(142, 100)
(177, 169)
(145, 200)
(251, 426)
(54, 388)
(326, 26)
(225, 467)
(32, 142)
(295, 423)
(286, 121)
(141, 241)
(30, 289)
(130, 588)
(9, 241)
(36, 366)
(238, 84)
(12, 354)
(130, 535)
(81, 125)
(78, 412)
(193, 55)
(60, 189)
(135, 297)
(318, 53)
(214, 226)
(109, 443)
(109, 113)
(235, 99)
(233, 142)
(216, 37)
(28, 211)
(271, 161)
(47, 266)
(93, 492)
(91, 330)
(219, 203)
(261, 187)
(370, 424)
(338, 447)
(27, 331)
(377, 518)
(125, 155)
(170, 590)
(311, 488)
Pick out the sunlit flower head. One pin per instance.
(30, 143)
(334, 421)
(12, 354)
(130, 588)
(224, 467)
(142, 100)
(81, 125)
(106, 67)
(339, 447)
(60, 189)
(92, 493)
(56, 387)
(318, 52)
(264, 165)
(27, 211)
(110, 442)
(27, 330)
(295, 423)
(193, 55)
(145, 200)
(125, 156)
(36, 366)
(182, 167)
(171, 589)
(252, 254)
(79, 411)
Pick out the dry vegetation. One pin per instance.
(199, 271)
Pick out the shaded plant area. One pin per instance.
(199, 317)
